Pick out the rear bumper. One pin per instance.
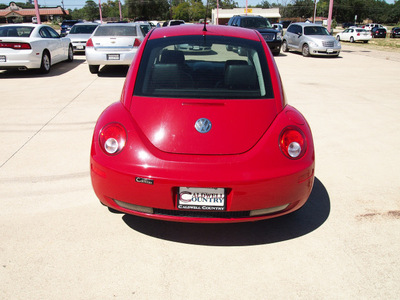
(21, 59)
(97, 57)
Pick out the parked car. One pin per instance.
(66, 26)
(173, 23)
(370, 26)
(145, 27)
(310, 39)
(113, 44)
(278, 27)
(80, 34)
(263, 26)
(202, 138)
(32, 46)
(354, 35)
(395, 32)
(378, 32)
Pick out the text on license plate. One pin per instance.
(3, 58)
(112, 56)
(211, 199)
(329, 50)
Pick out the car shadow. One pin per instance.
(56, 70)
(307, 219)
(113, 71)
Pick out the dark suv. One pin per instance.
(66, 26)
(271, 36)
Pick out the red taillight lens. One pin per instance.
(89, 43)
(16, 46)
(292, 142)
(358, 34)
(137, 43)
(112, 138)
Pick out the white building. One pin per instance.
(222, 16)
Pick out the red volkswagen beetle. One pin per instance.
(202, 132)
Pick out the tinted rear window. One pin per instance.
(16, 31)
(116, 31)
(199, 67)
(83, 29)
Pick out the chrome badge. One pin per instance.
(203, 125)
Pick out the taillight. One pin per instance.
(16, 46)
(89, 43)
(137, 43)
(292, 142)
(358, 34)
(112, 138)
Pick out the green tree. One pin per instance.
(147, 9)
(301, 8)
(91, 11)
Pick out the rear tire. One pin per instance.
(94, 69)
(351, 39)
(306, 50)
(45, 65)
(338, 38)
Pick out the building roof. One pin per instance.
(15, 11)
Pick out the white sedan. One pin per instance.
(113, 44)
(353, 35)
(32, 46)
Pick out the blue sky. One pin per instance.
(71, 4)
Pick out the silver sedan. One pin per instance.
(113, 44)
(32, 46)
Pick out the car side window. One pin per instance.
(53, 33)
(291, 28)
(44, 33)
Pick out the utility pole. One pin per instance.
(315, 10)
(330, 15)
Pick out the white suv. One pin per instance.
(372, 25)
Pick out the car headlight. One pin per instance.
(292, 142)
(313, 44)
(278, 36)
(112, 138)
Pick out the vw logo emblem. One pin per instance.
(203, 125)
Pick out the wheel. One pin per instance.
(94, 69)
(351, 39)
(70, 54)
(285, 47)
(306, 50)
(338, 38)
(46, 63)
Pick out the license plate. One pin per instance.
(208, 199)
(112, 56)
(3, 58)
(80, 47)
(329, 50)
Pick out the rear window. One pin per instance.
(16, 31)
(116, 31)
(256, 23)
(83, 29)
(204, 67)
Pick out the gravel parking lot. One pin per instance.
(58, 242)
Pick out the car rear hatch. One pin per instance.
(235, 126)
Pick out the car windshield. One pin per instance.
(83, 29)
(15, 31)
(256, 23)
(315, 30)
(199, 67)
(116, 31)
(361, 30)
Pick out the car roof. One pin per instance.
(304, 24)
(86, 23)
(119, 24)
(197, 29)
